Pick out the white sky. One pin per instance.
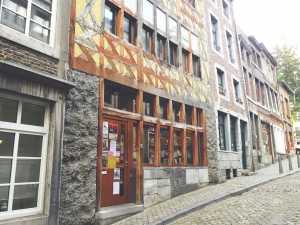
(273, 22)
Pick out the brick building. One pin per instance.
(32, 98)
(230, 102)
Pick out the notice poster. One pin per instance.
(113, 147)
(117, 174)
(116, 188)
(112, 161)
(105, 129)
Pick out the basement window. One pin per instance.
(119, 97)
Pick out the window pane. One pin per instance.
(46, 4)
(5, 171)
(185, 40)
(195, 43)
(6, 143)
(110, 19)
(25, 196)
(148, 11)
(164, 146)
(40, 16)
(177, 156)
(149, 144)
(39, 32)
(131, 4)
(8, 110)
(33, 114)
(30, 145)
(17, 6)
(161, 20)
(189, 148)
(4, 198)
(173, 28)
(28, 170)
(13, 20)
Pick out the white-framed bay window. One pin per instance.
(24, 127)
(34, 18)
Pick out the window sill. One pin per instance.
(29, 42)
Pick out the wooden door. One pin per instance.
(116, 162)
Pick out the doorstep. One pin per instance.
(111, 214)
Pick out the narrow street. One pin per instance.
(275, 203)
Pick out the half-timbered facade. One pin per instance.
(143, 87)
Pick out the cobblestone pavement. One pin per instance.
(275, 203)
(161, 212)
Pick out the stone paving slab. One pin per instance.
(169, 210)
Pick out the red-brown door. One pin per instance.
(116, 162)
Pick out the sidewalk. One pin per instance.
(176, 207)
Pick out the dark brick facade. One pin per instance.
(13, 52)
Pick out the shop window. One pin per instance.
(189, 148)
(176, 111)
(32, 17)
(196, 66)
(233, 133)
(222, 131)
(178, 153)
(110, 18)
(129, 29)
(24, 147)
(164, 146)
(149, 144)
(148, 41)
(188, 114)
(185, 61)
(173, 54)
(119, 97)
(161, 48)
(221, 81)
(148, 104)
(132, 5)
(163, 108)
(201, 150)
(161, 20)
(148, 11)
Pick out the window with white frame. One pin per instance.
(221, 81)
(230, 47)
(215, 33)
(237, 91)
(148, 12)
(23, 144)
(31, 17)
(131, 4)
(161, 20)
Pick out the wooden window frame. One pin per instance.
(173, 54)
(161, 39)
(186, 61)
(194, 58)
(148, 40)
(132, 29)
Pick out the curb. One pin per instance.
(201, 205)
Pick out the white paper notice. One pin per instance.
(116, 188)
(113, 146)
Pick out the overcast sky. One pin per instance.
(273, 22)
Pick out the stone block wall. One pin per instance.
(78, 191)
(163, 183)
(13, 52)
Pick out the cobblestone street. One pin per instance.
(275, 203)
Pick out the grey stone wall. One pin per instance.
(163, 183)
(78, 191)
